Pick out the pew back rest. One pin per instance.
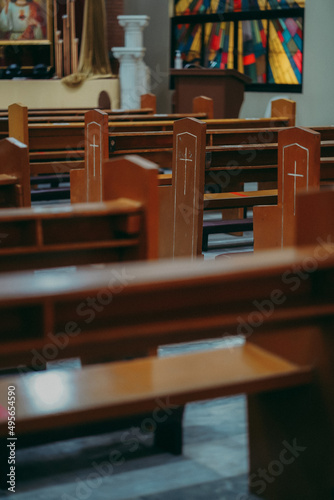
(139, 182)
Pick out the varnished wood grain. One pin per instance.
(125, 388)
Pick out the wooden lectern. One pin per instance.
(225, 86)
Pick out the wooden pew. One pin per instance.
(54, 113)
(298, 169)
(149, 101)
(124, 228)
(285, 367)
(284, 107)
(227, 166)
(180, 233)
(58, 148)
(41, 116)
(14, 174)
(203, 104)
(63, 143)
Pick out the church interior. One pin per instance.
(166, 250)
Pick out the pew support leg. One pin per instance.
(287, 458)
(291, 431)
(169, 432)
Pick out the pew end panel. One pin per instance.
(137, 179)
(284, 107)
(149, 101)
(96, 151)
(298, 169)
(189, 141)
(104, 101)
(203, 104)
(86, 184)
(15, 175)
(18, 123)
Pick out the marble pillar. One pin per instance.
(133, 72)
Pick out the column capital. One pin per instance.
(133, 22)
(127, 53)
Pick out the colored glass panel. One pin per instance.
(285, 54)
(184, 7)
(269, 51)
(189, 42)
(218, 41)
(253, 48)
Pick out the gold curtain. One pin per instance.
(94, 60)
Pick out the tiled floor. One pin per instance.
(124, 465)
(213, 465)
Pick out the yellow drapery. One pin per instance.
(94, 60)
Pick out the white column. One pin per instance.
(133, 72)
(130, 76)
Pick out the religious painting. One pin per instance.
(25, 22)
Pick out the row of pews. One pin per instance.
(281, 302)
(182, 195)
(114, 316)
(160, 150)
(225, 165)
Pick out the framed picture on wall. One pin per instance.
(25, 22)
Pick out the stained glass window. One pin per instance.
(257, 37)
(186, 7)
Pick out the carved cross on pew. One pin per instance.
(94, 179)
(94, 145)
(295, 175)
(298, 169)
(185, 158)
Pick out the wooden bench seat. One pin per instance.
(124, 228)
(224, 226)
(61, 236)
(217, 201)
(120, 389)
